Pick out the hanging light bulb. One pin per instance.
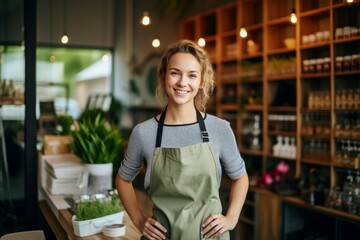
(243, 32)
(105, 58)
(349, 1)
(201, 42)
(52, 58)
(156, 42)
(145, 19)
(293, 18)
(65, 39)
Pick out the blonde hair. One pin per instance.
(207, 73)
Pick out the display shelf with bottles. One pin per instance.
(309, 71)
(250, 137)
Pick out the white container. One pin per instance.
(100, 176)
(114, 230)
(96, 225)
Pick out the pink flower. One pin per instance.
(282, 167)
(268, 180)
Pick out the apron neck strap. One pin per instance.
(204, 133)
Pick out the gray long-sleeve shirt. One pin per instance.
(143, 137)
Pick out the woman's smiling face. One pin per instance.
(182, 78)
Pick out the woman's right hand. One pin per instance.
(151, 229)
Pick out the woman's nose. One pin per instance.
(182, 80)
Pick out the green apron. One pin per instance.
(184, 186)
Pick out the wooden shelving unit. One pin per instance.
(259, 76)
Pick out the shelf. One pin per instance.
(273, 77)
(281, 133)
(253, 107)
(347, 73)
(282, 109)
(281, 77)
(11, 101)
(314, 75)
(316, 136)
(230, 107)
(245, 151)
(315, 12)
(314, 161)
(284, 21)
(315, 110)
(312, 46)
(280, 51)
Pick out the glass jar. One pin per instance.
(319, 65)
(326, 35)
(312, 65)
(339, 63)
(326, 64)
(306, 66)
(354, 32)
(355, 63)
(347, 63)
(347, 32)
(339, 33)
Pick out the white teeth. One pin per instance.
(180, 91)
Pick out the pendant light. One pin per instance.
(293, 18)
(105, 56)
(52, 56)
(243, 33)
(201, 42)
(65, 38)
(145, 19)
(155, 42)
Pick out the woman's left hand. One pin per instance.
(216, 224)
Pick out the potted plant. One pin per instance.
(93, 213)
(98, 143)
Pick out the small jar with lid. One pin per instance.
(319, 36)
(306, 66)
(305, 39)
(354, 32)
(347, 32)
(326, 35)
(319, 65)
(347, 63)
(312, 65)
(326, 64)
(355, 63)
(339, 63)
(339, 33)
(312, 38)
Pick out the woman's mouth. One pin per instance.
(181, 91)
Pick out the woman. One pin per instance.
(184, 149)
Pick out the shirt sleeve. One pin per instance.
(230, 157)
(133, 160)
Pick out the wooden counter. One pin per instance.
(60, 222)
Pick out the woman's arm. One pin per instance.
(217, 224)
(238, 192)
(146, 225)
(129, 200)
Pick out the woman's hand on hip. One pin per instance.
(217, 224)
(152, 229)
